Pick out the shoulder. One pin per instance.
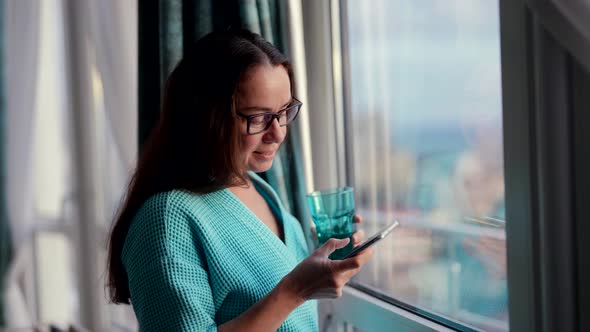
(162, 209)
(162, 226)
(164, 203)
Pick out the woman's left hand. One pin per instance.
(359, 235)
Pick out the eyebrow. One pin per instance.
(266, 109)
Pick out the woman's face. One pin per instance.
(264, 88)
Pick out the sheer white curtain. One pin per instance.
(113, 34)
(113, 29)
(111, 37)
(21, 25)
(106, 40)
(22, 46)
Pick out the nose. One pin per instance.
(275, 133)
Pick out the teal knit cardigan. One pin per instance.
(195, 261)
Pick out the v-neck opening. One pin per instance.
(274, 209)
(272, 204)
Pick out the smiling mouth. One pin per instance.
(268, 154)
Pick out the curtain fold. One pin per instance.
(20, 44)
(22, 28)
(167, 27)
(112, 33)
(113, 36)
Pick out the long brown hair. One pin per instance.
(195, 145)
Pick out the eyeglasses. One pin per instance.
(260, 122)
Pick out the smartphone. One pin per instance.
(372, 240)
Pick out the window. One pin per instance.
(424, 142)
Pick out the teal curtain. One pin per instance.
(5, 235)
(167, 26)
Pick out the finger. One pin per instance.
(312, 230)
(346, 265)
(331, 245)
(365, 255)
(325, 293)
(357, 219)
(355, 262)
(358, 237)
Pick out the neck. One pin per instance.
(238, 185)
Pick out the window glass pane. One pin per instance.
(427, 150)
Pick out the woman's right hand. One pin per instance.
(318, 277)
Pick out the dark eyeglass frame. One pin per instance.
(273, 116)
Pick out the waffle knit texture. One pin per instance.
(196, 261)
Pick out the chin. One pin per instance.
(260, 167)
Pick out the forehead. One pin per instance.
(264, 86)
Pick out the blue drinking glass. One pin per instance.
(332, 212)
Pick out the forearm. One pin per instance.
(268, 313)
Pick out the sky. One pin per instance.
(428, 63)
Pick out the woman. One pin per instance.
(202, 243)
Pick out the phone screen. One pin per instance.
(372, 240)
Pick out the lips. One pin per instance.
(265, 155)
